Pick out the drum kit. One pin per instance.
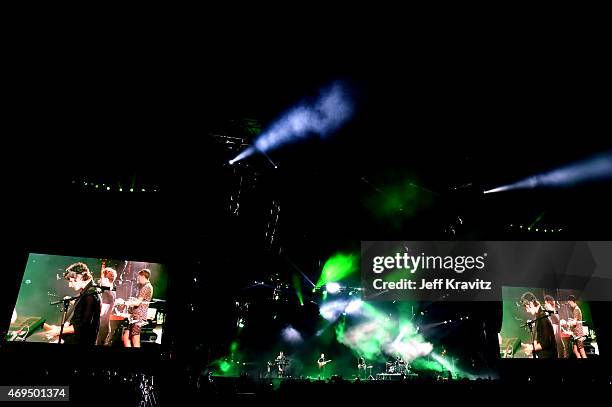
(367, 372)
(279, 366)
(396, 367)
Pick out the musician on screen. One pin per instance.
(108, 302)
(138, 310)
(550, 304)
(84, 323)
(575, 324)
(544, 345)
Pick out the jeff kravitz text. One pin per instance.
(435, 284)
(404, 262)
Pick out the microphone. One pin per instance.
(530, 322)
(64, 300)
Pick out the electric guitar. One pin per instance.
(131, 302)
(321, 364)
(130, 318)
(126, 315)
(566, 329)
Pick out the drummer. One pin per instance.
(400, 365)
(390, 364)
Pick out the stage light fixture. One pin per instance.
(332, 288)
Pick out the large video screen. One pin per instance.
(89, 301)
(554, 322)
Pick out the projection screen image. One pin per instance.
(104, 302)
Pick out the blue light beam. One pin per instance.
(325, 115)
(597, 168)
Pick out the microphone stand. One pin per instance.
(530, 324)
(66, 302)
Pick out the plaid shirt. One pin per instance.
(577, 329)
(146, 293)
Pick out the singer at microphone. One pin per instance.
(83, 324)
(543, 343)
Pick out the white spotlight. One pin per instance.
(332, 288)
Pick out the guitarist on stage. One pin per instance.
(321, 363)
(138, 309)
(576, 326)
